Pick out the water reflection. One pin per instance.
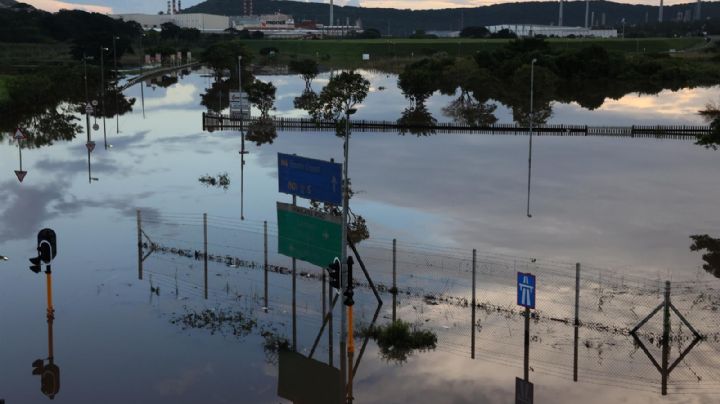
(417, 120)
(711, 256)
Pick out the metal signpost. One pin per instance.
(526, 292)
(310, 179)
(239, 104)
(308, 235)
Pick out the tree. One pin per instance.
(263, 96)
(474, 32)
(711, 113)
(307, 68)
(224, 56)
(338, 99)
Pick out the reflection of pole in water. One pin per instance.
(142, 96)
(294, 305)
(526, 367)
(532, 118)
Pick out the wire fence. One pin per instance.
(432, 288)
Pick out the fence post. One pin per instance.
(472, 338)
(265, 266)
(394, 280)
(577, 320)
(139, 245)
(205, 254)
(666, 338)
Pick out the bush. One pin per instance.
(398, 340)
(268, 50)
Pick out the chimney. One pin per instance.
(169, 10)
(179, 10)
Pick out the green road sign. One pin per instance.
(308, 235)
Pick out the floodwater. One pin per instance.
(625, 208)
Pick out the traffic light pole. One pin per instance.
(343, 259)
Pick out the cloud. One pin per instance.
(56, 5)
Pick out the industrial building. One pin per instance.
(523, 30)
(204, 22)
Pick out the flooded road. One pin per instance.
(624, 208)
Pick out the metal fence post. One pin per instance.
(265, 266)
(139, 245)
(472, 325)
(394, 280)
(577, 320)
(666, 339)
(205, 254)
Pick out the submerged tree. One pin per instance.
(338, 99)
(712, 257)
(711, 114)
(262, 95)
(417, 120)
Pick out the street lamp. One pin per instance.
(532, 118)
(102, 90)
(117, 108)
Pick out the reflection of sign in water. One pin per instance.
(303, 380)
(308, 235)
(526, 290)
(310, 178)
(19, 135)
(239, 104)
(524, 391)
(20, 175)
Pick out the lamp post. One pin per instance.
(532, 118)
(88, 107)
(117, 108)
(102, 91)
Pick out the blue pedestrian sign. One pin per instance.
(310, 178)
(526, 289)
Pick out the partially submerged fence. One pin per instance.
(212, 122)
(581, 329)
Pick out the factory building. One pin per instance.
(208, 23)
(523, 30)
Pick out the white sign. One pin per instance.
(366, 56)
(239, 103)
(88, 109)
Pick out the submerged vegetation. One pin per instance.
(221, 181)
(399, 339)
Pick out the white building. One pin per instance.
(203, 22)
(522, 30)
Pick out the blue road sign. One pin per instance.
(310, 178)
(526, 290)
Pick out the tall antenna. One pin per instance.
(560, 19)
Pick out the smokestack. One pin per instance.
(331, 12)
(169, 10)
(587, 13)
(697, 11)
(560, 19)
(179, 10)
(660, 13)
(174, 8)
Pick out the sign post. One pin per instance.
(308, 235)
(526, 291)
(310, 179)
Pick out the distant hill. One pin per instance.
(403, 22)
(7, 3)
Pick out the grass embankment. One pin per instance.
(17, 58)
(3, 88)
(391, 54)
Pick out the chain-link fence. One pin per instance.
(581, 328)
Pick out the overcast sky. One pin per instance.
(153, 6)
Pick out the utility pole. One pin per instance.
(102, 91)
(343, 251)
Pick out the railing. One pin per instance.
(213, 122)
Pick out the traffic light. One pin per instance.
(49, 377)
(334, 273)
(46, 248)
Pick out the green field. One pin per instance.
(348, 53)
(3, 88)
